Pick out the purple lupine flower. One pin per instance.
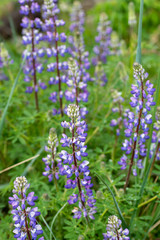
(77, 49)
(77, 18)
(31, 36)
(51, 158)
(137, 127)
(77, 170)
(77, 89)
(102, 49)
(56, 49)
(24, 212)
(156, 138)
(114, 230)
(118, 108)
(5, 60)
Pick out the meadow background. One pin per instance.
(24, 132)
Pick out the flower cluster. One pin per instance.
(24, 214)
(5, 60)
(76, 170)
(114, 230)
(76, 92)
(156, 136)
(51, 158)
(102, 50)
(77, 18)
(118, 100)
(137, 126)
(56, 50)
(77, 49)
(32, 36)
(115, 44)
(131, 14)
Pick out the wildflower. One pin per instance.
(31, 37)
(56, 49)
(102, 50)
(131, 14)
(24, 214)
(51, 158)
(77, 50)
(114, 230)
(76, 170)
(137, 127)
(118, 108)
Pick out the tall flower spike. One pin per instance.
(137, 127)
(31, 37)
(77, 50)
(76, 87)
(76, 170)
(102, 48)
(103, 40)
(51, 159)
(114, 230)
(56, 50)
(131, 14)
(118, 108)
(24, 214)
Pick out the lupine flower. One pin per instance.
(56, 50)
(51, 158)
(131, 14)
(24, 212)
(156, 137)
(115, 44)
(76, 169)
(5, 60)
(137, 127)
(77, 49)
(103, 40)
(118, 108)
(77, 18)
(77, 88)
(31, 38)
(114, 230)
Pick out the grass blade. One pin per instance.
(52, 235)
(138, 55)
(10, 97)
(55, 219)
(115, 202)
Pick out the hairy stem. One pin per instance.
(54, 169)
(58, 71)
(34, 63)
(76, 91)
